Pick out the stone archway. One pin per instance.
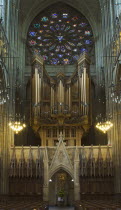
(61, 189)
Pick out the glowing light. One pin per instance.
(40, 31)
(104, 126)
(17, 126)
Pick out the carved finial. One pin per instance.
(60, 137)
(108, 156)
(22, 153)
(83, 153)
(14, 153)
(91, 152)
(99, 152)
(30, 153)
(38, 153)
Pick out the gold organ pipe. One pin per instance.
(38, 94)
(80, 109)
(33, 89)
(35, 85)
(87, 93)
(69, 97)
(40, 88)
(84, 90)
(59, 92)
(52, 98)
(40, 83)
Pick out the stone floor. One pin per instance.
(61, 208)
(100, 205)
(34, 203)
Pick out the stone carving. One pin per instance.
(61, 158)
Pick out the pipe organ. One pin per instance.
(60, 102)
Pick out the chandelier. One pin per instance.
(17, 125)
(17, 122)
(104, 124)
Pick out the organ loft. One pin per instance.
(61, 103)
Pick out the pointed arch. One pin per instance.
(61, 167)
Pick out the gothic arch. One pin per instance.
(37, 7)
(61, 167)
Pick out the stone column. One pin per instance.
(46, 177)
(76, 176)
(4, 163)
(69, 96)
(52, 97)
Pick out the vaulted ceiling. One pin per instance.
(30, 8)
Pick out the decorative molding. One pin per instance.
(61, 158)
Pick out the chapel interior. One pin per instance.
(60, 104)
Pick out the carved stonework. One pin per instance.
(61, 158)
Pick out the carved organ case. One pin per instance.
(61, 103)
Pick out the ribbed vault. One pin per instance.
(30, 8)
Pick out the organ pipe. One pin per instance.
(83, 72)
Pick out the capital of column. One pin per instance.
(83, 63)
(37, 63)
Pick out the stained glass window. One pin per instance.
(60, 34)
(54, 15)
(36, 25)
(32, 33)
(44, 19)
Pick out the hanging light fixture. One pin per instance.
(104, 124)
(17, 125)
